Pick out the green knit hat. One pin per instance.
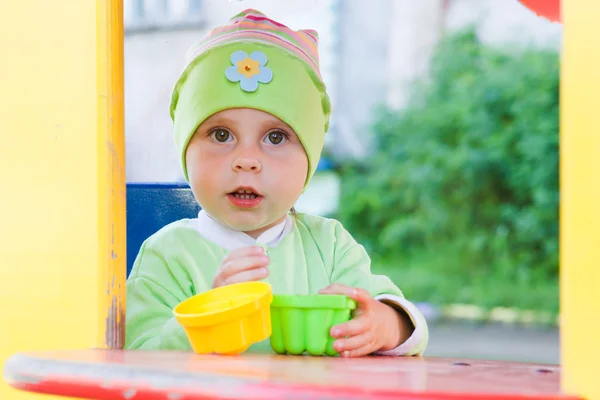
(254, 62)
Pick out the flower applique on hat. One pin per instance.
(249, 70)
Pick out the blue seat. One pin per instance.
(150, 206)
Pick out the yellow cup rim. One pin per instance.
(262, 299)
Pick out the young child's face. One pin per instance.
(249, 151)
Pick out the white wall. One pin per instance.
(152, 65)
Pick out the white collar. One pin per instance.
(231, 239)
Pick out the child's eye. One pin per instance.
(220, 135)
(276, 137)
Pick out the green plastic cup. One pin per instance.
(301, 323)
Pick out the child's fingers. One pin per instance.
(363, 298)
(235, 267)
(351, 328)
(337, 288)
(230, 268)
(360, 295)
(248, 276)
(355, 345)
(359, 352)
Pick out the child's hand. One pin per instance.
(242, 265)
(375, 326)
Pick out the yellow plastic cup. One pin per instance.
(227, 320)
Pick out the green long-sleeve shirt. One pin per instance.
(307, 253)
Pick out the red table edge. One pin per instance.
(81, 380)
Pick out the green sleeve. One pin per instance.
(153, 290)
(352, 267)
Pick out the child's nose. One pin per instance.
(247, 165)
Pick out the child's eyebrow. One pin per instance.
(219, 119)
(278, 124)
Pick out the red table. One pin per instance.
(137, 375)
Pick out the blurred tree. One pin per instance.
(470, 167)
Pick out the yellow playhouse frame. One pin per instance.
(62, 280)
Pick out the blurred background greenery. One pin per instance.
(459, 200)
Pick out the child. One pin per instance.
(250, 113)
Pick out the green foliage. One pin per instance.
(466, 176)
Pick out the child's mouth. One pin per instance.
(245, 198)
(245, 194)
